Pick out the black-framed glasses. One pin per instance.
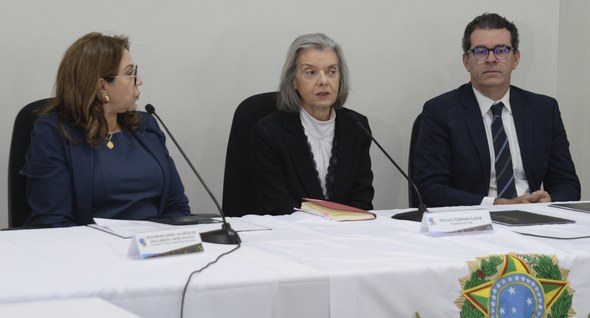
(134, 75)
(501, 52)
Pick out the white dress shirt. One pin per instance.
(521, 183)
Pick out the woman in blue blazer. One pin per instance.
(91, 153)
(312, 146)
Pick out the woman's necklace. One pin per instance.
(110, 143)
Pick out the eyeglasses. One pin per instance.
(501, 52)
(134, 75)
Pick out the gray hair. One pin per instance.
(288, 99)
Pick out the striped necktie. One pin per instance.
(504, 172)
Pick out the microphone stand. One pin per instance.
(414, 215)
(225, 235)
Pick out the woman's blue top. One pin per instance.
(127, 180)
(72, 183)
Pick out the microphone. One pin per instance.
(415, 215)
(225, 235)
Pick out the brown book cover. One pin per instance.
(335, 211)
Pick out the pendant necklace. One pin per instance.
(110, 143)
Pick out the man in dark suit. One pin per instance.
(488, 142)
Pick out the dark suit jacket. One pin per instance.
(60, 174)
(284, 170)
(452, 160)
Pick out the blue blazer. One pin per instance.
(60, 174)
(284, 170)
(452, 159)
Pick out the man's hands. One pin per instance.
(535, 197)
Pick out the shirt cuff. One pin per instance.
(487, 201)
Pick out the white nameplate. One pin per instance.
(453, 222)
(180, 240)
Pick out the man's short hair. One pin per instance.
(488, 21)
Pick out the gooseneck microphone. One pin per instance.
(225, 235)
(415, 215)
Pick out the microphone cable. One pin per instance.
(200, 270)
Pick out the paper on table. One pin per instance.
(561, 231)
(128, 228)
(240, 225)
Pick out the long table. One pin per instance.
(306, 266)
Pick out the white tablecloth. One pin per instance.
(304, 266)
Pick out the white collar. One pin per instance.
(485, 103)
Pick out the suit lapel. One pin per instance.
(301, 154)
(472, 117)
(523, 123)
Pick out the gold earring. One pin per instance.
(105, 99)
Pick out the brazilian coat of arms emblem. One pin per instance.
(516, 285)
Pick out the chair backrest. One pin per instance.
(18, 208)
(239, 193)
(412, 198)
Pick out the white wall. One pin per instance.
(199, 59)
(573, 88)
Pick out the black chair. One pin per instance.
(18, 208)
(412, 198)
(239, 193)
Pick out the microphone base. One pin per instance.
(225, 235)
(415, 215)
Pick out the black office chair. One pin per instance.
(18, 208)
(412, 198)
(239, 194)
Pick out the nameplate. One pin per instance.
(176, 241)
(454, 222)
